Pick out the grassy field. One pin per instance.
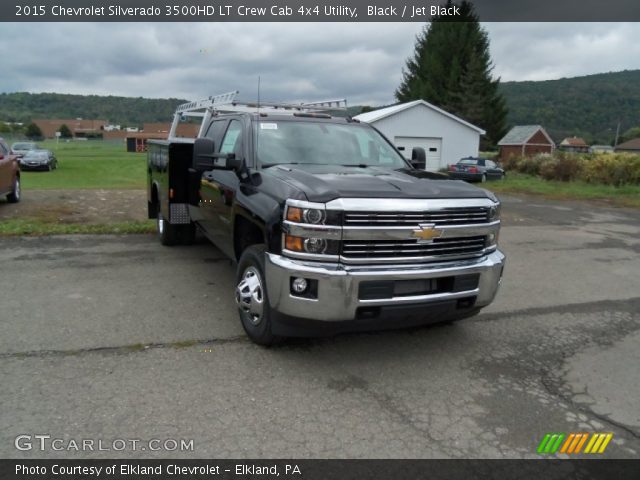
(90, 165)
(627, 196)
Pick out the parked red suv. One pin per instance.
(9, 173)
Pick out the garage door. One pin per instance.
(432, 146)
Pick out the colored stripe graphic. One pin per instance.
(550, 443)
(574, 443)
(553, 442)
(598, 443)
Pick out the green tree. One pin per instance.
(65, 131)
(33, 131)
(451, 68)
(633, 132)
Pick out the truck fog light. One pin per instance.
(315, 245)
(299, 285)
(492, 239)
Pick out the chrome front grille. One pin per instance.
(440, 248)
(446, 216)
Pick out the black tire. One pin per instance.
(16, 192)
(167, 233)
(251, 297)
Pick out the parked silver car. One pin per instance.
(21, 148)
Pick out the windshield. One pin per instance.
(24, 146)
(37, 154)
(323, 143)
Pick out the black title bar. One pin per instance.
(319, 469)
(312, 10)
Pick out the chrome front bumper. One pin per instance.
(338, 285)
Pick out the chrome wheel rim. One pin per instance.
(250, 295)
(16, 191)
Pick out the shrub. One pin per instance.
(613, 169)
(531, 165)
(510, 163)
(547, 168)
(569, 168)
(609, 168)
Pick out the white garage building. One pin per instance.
(445, 137)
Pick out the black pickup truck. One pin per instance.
(331, 228)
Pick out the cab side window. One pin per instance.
(232, 141)
(215, 131)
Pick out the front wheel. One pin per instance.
(251, 297)
(14, 196)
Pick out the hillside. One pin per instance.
(22, 107)
(589, 106)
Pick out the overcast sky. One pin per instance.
(362, 62)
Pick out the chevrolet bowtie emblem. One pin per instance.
(427, 232)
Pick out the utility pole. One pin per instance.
(615, 143)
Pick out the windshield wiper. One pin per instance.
(267, 165)
(359, 165)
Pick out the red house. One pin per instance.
(525, 140)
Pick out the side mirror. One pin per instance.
(205, 159)
(418, 158)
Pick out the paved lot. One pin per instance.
(116, 337)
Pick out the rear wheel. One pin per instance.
(14, 196)
(251, 297)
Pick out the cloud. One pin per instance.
(360, 61)
(543, 51)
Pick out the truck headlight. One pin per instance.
(313, 216)
(494, 212)
(316, 246)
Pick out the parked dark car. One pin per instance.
(21, 148)
(9, 173)
(39, 160)
(474, 169)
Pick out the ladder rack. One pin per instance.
(226, 103)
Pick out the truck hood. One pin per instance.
(323, 183)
